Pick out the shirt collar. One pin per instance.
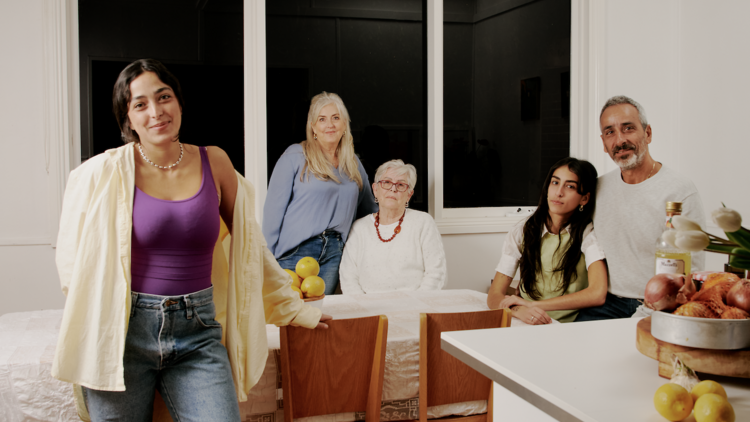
(545, 231)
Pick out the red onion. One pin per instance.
(665, 291)
(739, 295)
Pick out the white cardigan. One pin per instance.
(93, 260)
(413, 260)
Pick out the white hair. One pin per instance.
(398, 167)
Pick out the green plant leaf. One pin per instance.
(740, 262)
(740, 237)
(727, 249)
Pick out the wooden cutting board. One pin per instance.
(732, 363)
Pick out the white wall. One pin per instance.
(27, 273)
(684, 60)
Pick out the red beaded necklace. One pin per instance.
(396, 231)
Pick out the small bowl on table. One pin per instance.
(315, 302)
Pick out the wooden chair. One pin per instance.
(335, 370)
(443, 379)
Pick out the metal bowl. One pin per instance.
(704, 333)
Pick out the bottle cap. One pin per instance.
(674, 206)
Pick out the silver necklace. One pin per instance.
(140, 148)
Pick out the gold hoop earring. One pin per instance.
(580, 208)
(315, 136)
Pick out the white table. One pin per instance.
(588, 371)
(28, 340)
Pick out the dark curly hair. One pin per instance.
(121, 92)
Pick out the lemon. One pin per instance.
(673, 402)
(307, 267)
(313, 286)
(705, 387)
(296, 280)
(712, 407)
(297, 289)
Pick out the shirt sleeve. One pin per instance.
(511, 253)
(78, 193)
(277, 200)
(365, 201)
(435, 270)
(348, 271)
(693, 206)
(590, 247)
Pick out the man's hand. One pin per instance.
(322, 325)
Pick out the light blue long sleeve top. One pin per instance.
(297, 210)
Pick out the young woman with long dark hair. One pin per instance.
(562, 264)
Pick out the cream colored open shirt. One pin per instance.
(93, 260)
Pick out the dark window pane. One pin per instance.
(200, 43)
(368, 52)
(506, 99)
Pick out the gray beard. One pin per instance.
(633, 162)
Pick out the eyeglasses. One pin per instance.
(387, 184)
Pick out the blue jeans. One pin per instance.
(173, 345)
(326, 248)
(614, 307)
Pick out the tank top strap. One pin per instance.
(206, 168)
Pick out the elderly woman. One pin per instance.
(317, 190)
(395, 248)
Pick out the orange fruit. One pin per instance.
(296, 280)
(307, 267)
(673, 402)
(313, 286)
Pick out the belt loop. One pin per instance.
(188, 307)
(133, 301)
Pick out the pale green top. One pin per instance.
(548, 283)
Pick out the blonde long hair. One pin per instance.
(315, 160)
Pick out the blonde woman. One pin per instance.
(317, 189)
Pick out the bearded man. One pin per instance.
(631, 208)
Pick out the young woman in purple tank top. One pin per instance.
(173, 343)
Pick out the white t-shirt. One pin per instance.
(413, 260)
(630, 218)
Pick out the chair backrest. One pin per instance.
(443, 379)
(335, 370)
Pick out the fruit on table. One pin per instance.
(296, 280)
(313, 286)
(705, 387)
(307, 267)
(297, 289)
(712, 407)
(673, 402)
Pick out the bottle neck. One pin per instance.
(671, 214)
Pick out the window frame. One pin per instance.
(586, 83)
(587, 70)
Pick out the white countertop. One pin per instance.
(586, 371)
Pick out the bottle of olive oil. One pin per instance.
(669, 259)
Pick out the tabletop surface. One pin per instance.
(589, 371)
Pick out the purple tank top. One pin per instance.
(173, 241)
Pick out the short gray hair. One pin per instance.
(400, 168)
(622, 99)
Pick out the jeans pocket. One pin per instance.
(290, 253)
(206, 315)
